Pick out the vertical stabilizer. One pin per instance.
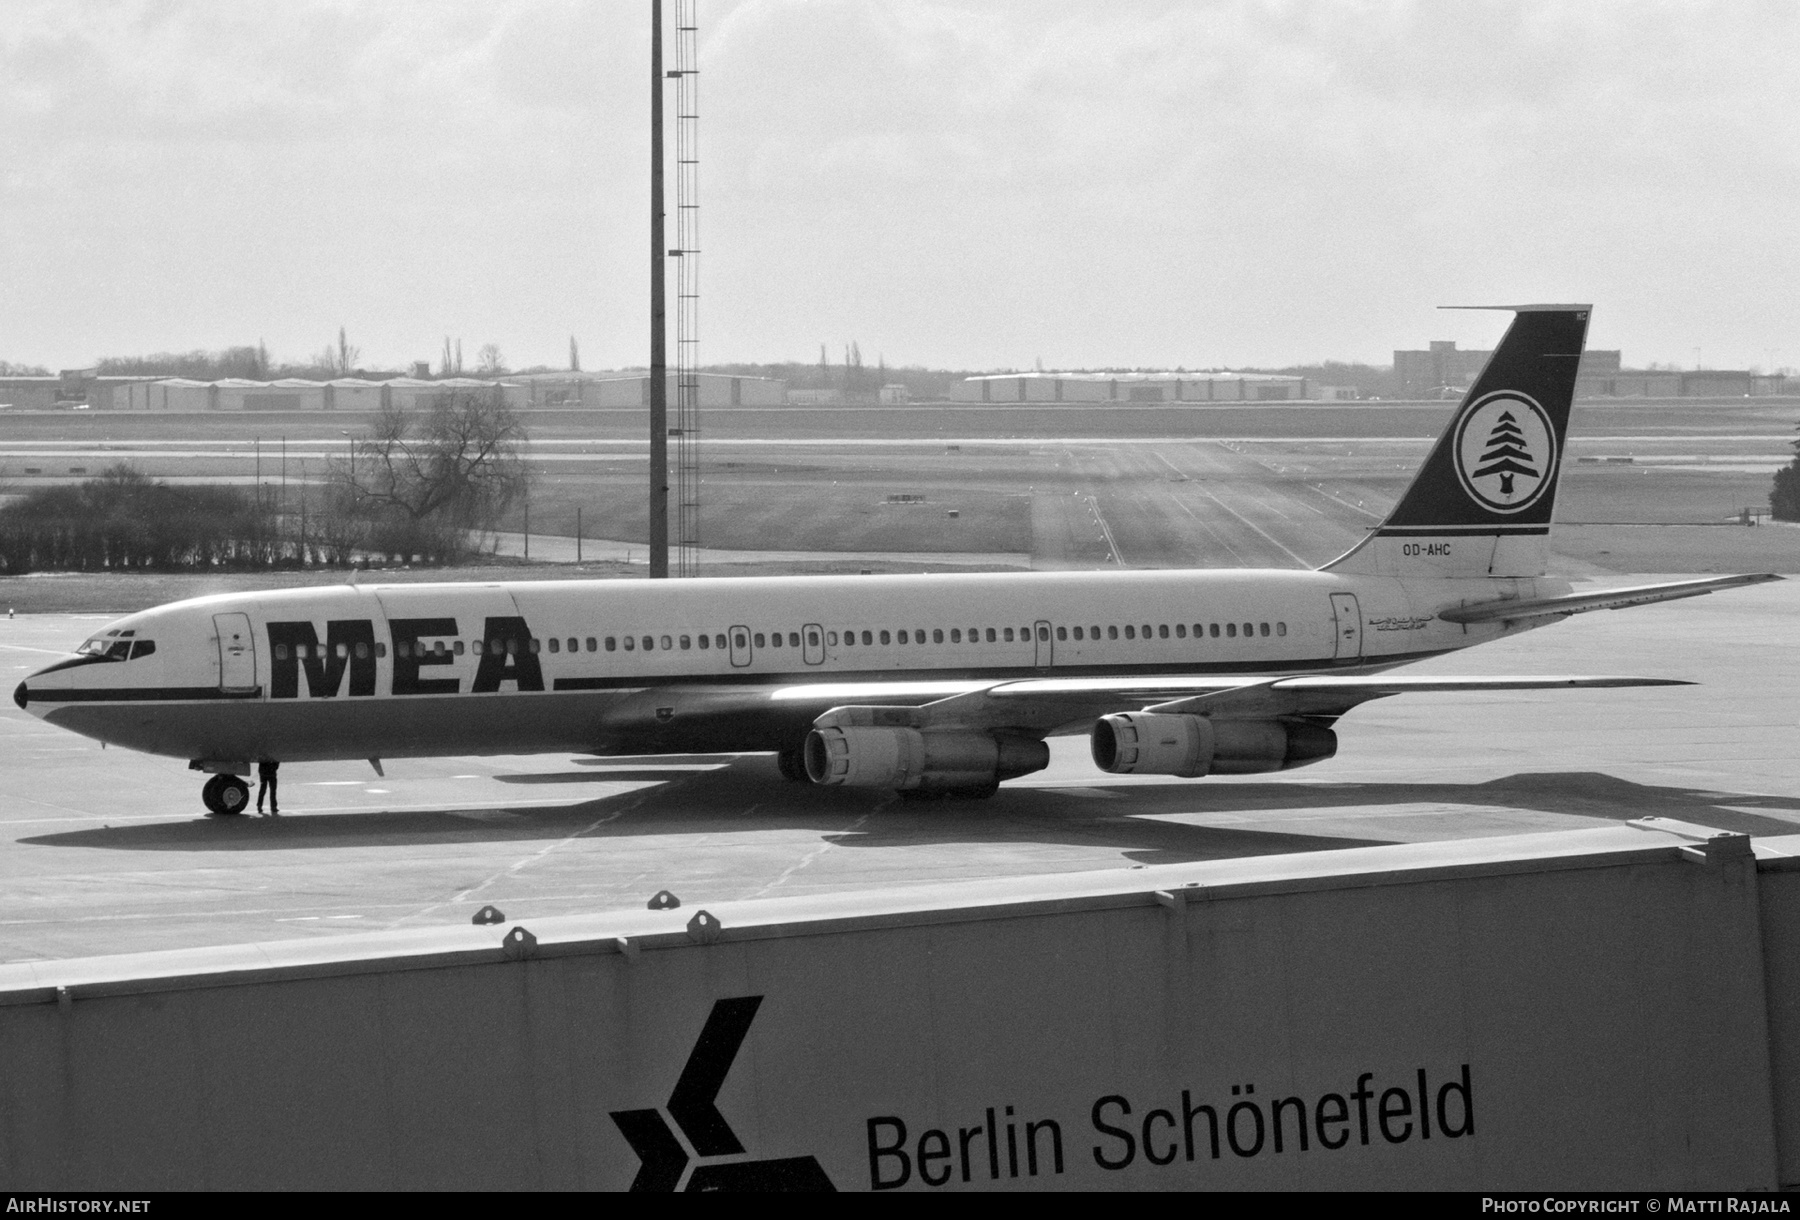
(1481, 504)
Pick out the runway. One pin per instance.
(106, 851)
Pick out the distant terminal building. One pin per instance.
(1440, 367)
(1443, 369)
(75, 388)
(1694, 383)
(28, 393)
(180, 394)
(530, 391)
(1132, 387)
(633, 390)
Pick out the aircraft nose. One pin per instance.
(22, 695)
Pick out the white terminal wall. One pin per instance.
(716, 390)
(1606, 990)
(1129, 388)
(357, 394)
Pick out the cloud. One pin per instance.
(966, 183)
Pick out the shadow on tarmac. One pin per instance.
(747, 794)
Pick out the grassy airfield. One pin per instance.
(1647, 487)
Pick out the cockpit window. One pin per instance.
(116, 646)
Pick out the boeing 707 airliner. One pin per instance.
(928, 685)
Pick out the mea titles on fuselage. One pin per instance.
(929, 685)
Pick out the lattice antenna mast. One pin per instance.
(687, 293)
(659, 355)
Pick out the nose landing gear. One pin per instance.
(225, 795)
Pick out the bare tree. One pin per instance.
(423, 483)
(446, 365)
(489, 360)
(853, 366)
(250, 362)
(347, 357)
(574, 356)
(342, 525)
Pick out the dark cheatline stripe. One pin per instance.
(143, 694)
(809, 677)
(1457, 531)
(1124, 673)
(77, 662)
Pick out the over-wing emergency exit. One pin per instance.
(940, 684)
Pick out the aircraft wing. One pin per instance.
(1578, 603)
(702, 717)
(1060, 705)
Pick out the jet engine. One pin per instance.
(1153, 743)
(932, 760)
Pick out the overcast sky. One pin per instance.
(974, 185)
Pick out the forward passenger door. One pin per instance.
(1046, 646)
(813, 645)
(237, 653)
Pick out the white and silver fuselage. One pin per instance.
(733, 664)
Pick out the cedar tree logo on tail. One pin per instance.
(664, 1158)
(1506, 452)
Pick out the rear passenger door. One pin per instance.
(812, 637)
(1046, 646)
(1348, 617)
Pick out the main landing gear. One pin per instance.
(225, 794)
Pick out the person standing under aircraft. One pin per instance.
(265, 774)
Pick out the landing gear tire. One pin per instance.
(234, 795)
(792, 765)
(225, 795)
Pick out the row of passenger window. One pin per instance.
(319, 652)
(1160, 631)
(776, 639)
(850, 637)
(1006, 635)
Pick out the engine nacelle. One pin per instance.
(905, 758)
(1154, 743)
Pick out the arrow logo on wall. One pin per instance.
(694, 1107)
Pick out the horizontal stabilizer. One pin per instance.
(1401, 684)
(1525, 308)
(1612, 599)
